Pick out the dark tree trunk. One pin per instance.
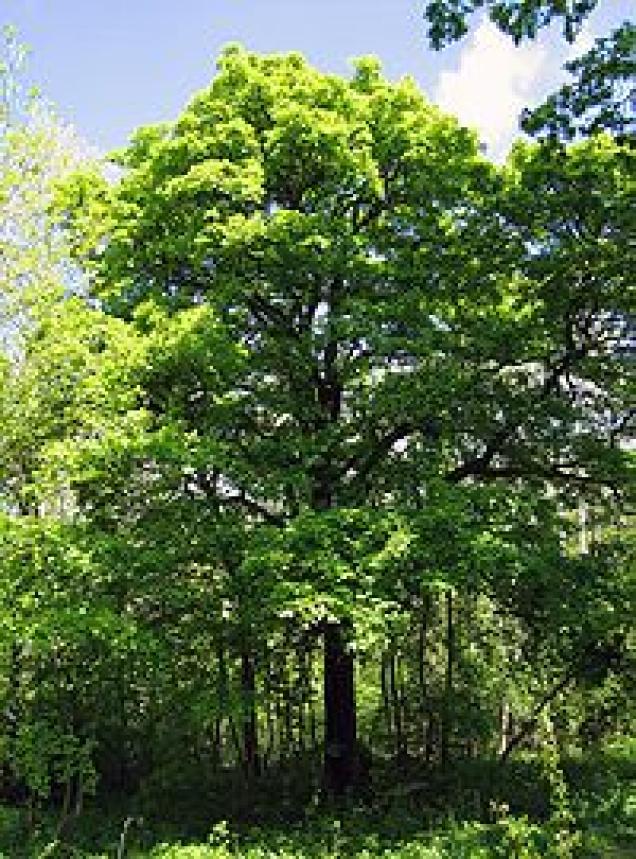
(404, 703)
(270, 718)
(250, 728)
(421, 676)
(221, 703)
(340, 712)
(447, 709)
(340, 761)
(400, 742)
(313, 721)
(281, 696)
(303, 696)
(506, 728)
(386, 701)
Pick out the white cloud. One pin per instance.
(583, 43)
(493, 82)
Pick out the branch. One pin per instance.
(530, 723)
(552, 473)
(478, 465)
(364, 465)
(621, 425)
(254, 507)
(212, 486)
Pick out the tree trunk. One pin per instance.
(400, 743)
(221, 705)
(505, 721)
(313, 721)
(421, 677)
(340, 712)
(448, 703)
(270, 716)
(402, 674)
(303, 695)
(339, 696)
(386, 701)
(250, 728)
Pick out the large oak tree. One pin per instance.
(356, 308)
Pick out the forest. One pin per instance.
(317, 469)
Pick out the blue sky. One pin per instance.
(111, 65)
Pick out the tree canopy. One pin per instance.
(306, 468)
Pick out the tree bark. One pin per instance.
(270, 716)
(529, 725)
(250, 728)
(505, 721)
(386, 701)
(221, 704)
(340, 712)
(340, 762)
(448, 694)
(400, 742)
(304, 692)
(421, 676)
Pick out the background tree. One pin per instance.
(601, 95)
(36, 148)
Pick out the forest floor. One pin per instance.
(594, 819)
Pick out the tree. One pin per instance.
(601, 96)
(36, 149)
(448, 19)
(362, 310)
(41, 743)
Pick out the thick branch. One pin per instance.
(212, 486)
(253, 507)
(363, 465)
(528, 726)
(542, 471)
(478, 465)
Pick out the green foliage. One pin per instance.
(521, 19)
(36, 149)
(601, 793)
(333, 371)
(48, 629)
(600, 96)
